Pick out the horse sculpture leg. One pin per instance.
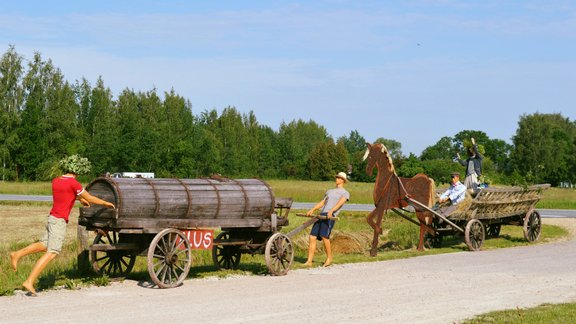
(377, 213)
(424, 219)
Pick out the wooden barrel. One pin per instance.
(150, 205)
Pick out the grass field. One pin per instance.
(312, 191)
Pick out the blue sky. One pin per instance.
(412, 71)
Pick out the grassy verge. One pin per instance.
(546, 313)
(21, 225)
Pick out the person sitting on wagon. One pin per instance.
(453, 195)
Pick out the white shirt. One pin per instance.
(456, 193)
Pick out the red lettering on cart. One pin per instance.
(200, 239)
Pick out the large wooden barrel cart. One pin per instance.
(152, 216)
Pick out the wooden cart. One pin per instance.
(153, 218)
(486, 213)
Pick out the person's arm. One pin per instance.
(462, 162)
(86, 197)
(475, 147)
(318, 206)
(340, 203)
(444, 196)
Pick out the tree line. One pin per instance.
(43, 118)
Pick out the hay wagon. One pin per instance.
(163, 219)
(483, 215)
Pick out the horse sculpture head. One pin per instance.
(377, 155)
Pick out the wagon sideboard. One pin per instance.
(149, 205)
(491, 203)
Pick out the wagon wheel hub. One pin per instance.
(171, 258)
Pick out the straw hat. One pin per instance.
(342, 176)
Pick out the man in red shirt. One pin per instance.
(65, 190)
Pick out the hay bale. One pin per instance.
(464, 205)
(341, 242)
(350, 242)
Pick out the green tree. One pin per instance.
(11, 103)
(296, 140)
(268, 154)
(319, 163)
(355, 145)
(178, 129)
(544, 148)
(49, 128)
(99, 114)
(129, 120)
(410, 167)
(443, 149)
(440, 169)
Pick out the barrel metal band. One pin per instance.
(117, 193)
(217, 196)
(273, 204)
(189, 196)
(155, 196)
(246, 198)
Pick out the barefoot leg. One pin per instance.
(311, 250)
(328, 248)
(37, 270)
(30, 249)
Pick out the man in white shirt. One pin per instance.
(453, 195)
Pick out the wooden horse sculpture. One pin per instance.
(390, 191)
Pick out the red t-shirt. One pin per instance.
(64, 192)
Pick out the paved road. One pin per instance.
(548, 213)
(429, 289)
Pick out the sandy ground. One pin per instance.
(429, 289)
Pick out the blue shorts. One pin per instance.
(322, 228)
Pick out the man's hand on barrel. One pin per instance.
(94, 200)
(84, 202)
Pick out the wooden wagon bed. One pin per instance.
(492, 203)
(484, 215)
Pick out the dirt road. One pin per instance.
(428, 289)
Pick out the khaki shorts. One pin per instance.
(55, 233)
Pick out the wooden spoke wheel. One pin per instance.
(226, 256)
(532, 226)
(433, 241)
(279, 254)
(493, 230)
(169, 258)
(474, 234)
(113, 263)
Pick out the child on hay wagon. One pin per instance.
(331, 204)
(65, 191)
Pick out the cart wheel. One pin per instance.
(225, 257)
(169, 258)
(474, 235)
(493, 230)
(433, 241)
(532, 226)
(116, 263)
(279, 254)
